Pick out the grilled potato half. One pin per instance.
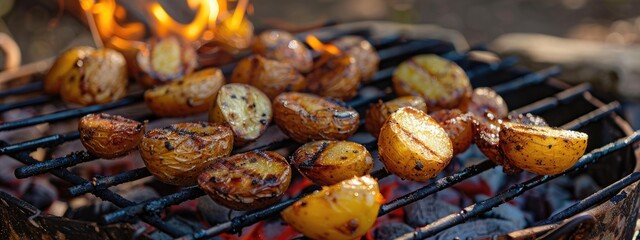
(99, 77)
(234, 36)
(379, 112)
(459, 127)
(541, 150)
(164, 60)
(283, 47)
(485, 101)
(270, 76)
(306, 117)
(109, 136)
(245, 109)
(442, 83)
(247, 181)
(414, 146)
(366, 56)
(177, 154)
(335, 77)
(191, 95)
(346, 210)
(330, 162)
(63, 66)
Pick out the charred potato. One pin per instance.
(283, 47)
(442, 83)
(484, 101)
(539, 149)
(459, 127)
(63, 66)
(330, 162)
(379, 112)
(366, 56)
(177, 154)
(337, 77)
(99, 77)
(306, 117)
(109, 136)
(346, 210)
(164, 60)
(270, 76)
(245, 109)
(191, 95)
(247, 181)
(414, 146)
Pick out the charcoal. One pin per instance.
(427, 210)
(39, 193)
(180, 223)
(506, 212)
(391, 230)
(213, 212)
(94, 211)
(477, 228)
(585, 186)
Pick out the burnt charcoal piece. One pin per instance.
(391, 230)
(477, 228)
(39, 193)
(427, 210)
(214, 213)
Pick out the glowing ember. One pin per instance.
(317, 45)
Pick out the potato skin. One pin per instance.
(109, 136)
(346, 210)
(164, 60)
(191, 95)
(283, 47)
(245, 109)
(177, 154)
(459, 127)
(247, 181)
(61, 68)
(337, 77)
(234, 39)
(366, 56)
(541, 150)
(270, 76)
(442, 83)
(413, 146)
(306, 117)
(483, 101)
(379, 112)
(99, 77)
(330, 162)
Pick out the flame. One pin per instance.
(103, 15)
(317, 45)
(205, 19)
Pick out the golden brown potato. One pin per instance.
(63, 66)
(245, 109)
(459, 127)
(414, 146)
(442, 83)
(539, 149)
(164, 60)
(191, 95)
(346, 210)
(330, 162)
(233, 36)
(247, 181)
(337, 77)
(379, 112)
(366, 56)
(177, 154)
(306, 117)
(99, 77)
(270, 76)
(109, 136)
(483, 101)
(283, 47)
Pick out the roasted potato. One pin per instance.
(177, 154)
(164, 60)
(414, 146)
(336, 77)
(442, 83)
(366, 56)
(63, 66)
(234, 36)
(346, 210)
(99, 77)
(484, 101)
(539, 149)
(247, 181)
(191, 95)
(283, 47)
(270, 76)
(306, 117)
(109, 136)
(379, 112)
(330, 162)
(459, 127)
(245, 109)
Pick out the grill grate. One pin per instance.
(391, 50)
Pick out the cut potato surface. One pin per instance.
(329, 162)
(379, 112)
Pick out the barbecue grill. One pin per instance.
(572, 107)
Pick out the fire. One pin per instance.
(317, 45)
(205, 19)
(101, 16)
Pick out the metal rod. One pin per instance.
(105, 182)
(26, 103)
(555, 100)
(27, 88)
(43, 167)
(48, 141)
(529, 79)
(598, 113)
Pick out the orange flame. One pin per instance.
(317, 45)
(103, 13)
(205, 18)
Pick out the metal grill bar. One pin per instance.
(105, 182)
(29, 102)
(598, 113)
(27, 88)
(48, 141)
(43, 167)
(528, 80)
(555, 100)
